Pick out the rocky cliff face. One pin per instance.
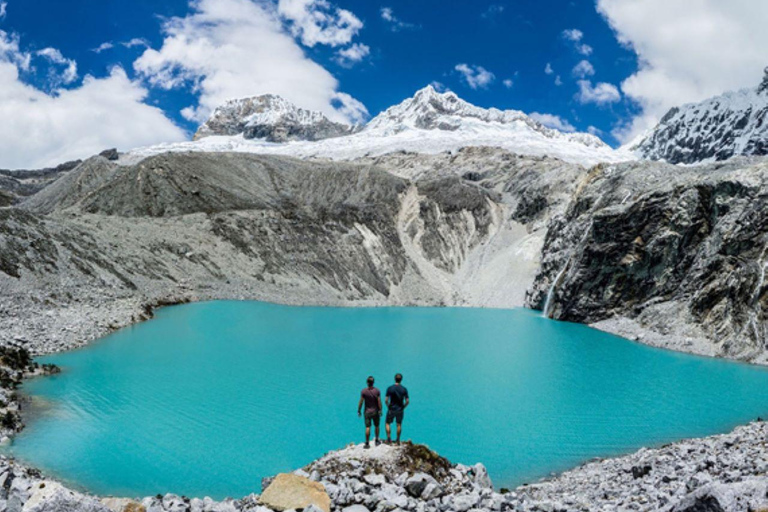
(271, 118)
(735, 123)
(678, 254)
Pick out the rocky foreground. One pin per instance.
(720, 473)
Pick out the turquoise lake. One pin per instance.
(208, 398)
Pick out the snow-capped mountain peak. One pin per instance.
(272, 118)
(734, 123)
(429, 122)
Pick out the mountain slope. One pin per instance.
(428, 123)
(735, 123)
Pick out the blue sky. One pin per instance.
(607, 66)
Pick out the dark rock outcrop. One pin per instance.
(680, 251)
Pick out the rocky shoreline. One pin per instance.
(719, 473)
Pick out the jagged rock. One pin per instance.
(702, 504)
(288, 491)
(110, 154)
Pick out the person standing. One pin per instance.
(397, 401)
(371, 397)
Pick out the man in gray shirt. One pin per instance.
(371, 397)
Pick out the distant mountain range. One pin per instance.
(430, 122)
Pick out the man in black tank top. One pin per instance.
(397, 401)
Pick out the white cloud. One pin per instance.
(576, 37)
(508, 83)
(68, 74)
(558, 81)
(583, 69)
(548, 69)
(103, 47)
(477, 77)
(41, 129)
(228, 49)
(395, 23)
(136, 41)
(439, 86)
(688, 50)
(350, 56)
(599, 94)
(597, 132)
(319, 22)
(492, 11)
(573, 34)
(3, 10)
(553, 121)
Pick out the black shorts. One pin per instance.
(372, 417)
(394, 416)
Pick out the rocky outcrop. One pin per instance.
(725, 472)
(679, 253)
(271, 118)
(733, 124)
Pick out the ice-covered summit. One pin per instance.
(430, 122)
(271, 118)
(732, 124)
(429, 109)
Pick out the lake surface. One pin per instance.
(208, 398)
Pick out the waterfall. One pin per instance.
(551, 293)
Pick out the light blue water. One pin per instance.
(208, 398)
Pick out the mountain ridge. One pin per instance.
(429, 122)
(734, 123)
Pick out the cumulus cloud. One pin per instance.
(477, 77)
(508, 83)
(69, 72)
(688, 51)
(558, 81)
(583, 69)
(553, 121)
(226, 49)
(319, 22)
(41, 129)
(395, 23)
(3, 10)
(576, 37)
(548, 69)
(600, 94)
(350, 56)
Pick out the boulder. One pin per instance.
(123, 505)
(288, 491)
